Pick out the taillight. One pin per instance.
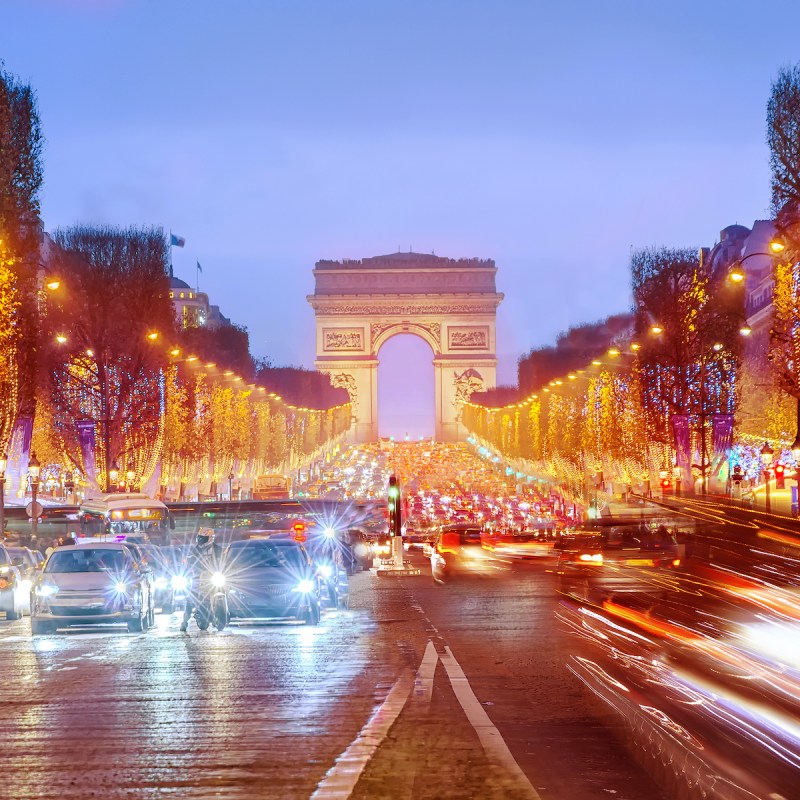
(676, 562)
(591, 558)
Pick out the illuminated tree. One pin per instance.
(104, 358)
(9, 344)
(20, 183)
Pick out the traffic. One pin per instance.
(683, 640)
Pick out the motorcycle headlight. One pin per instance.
(179, 582)
(46, 590)
(306, 587)
(329, 533)
(325, 570)
(161, 582)
(218, 580)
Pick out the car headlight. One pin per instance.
(161, 582)
(4, 570)
(120, 587)
(46, 590)
(325, 570)
(330, 533)
(306, 587)
(218, 580)
(179, 582)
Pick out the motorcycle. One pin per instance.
(212, 602)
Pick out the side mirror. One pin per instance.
(18, 562)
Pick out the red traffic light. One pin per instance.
(779, 469)
(666, 483)
(299, 529)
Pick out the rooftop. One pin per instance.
(408, 260)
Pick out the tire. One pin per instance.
(221, 614)
(136, 625)
(151, 618)
(41, 627)
(13, 614)
(168, 608)
(333, 596)
(312, 615)
(201, 617)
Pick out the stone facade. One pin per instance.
(450, 303)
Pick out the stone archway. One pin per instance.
(450, 303)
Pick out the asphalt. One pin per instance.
(265, 711)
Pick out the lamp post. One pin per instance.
(69, 487)
(3, 465)
(766, 459)
(34, 468)
(737, 273)
(230, 485)
(113, 477)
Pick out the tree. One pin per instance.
(228, 346)
(687, 324)
(102, 365)
(783, 137)
(9, 344)
(20, 182)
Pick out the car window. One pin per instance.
(265, 555)
(85, 559)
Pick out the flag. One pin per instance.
(176, 241)
(199, 268)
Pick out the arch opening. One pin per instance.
(406, 388)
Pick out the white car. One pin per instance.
(91, 584)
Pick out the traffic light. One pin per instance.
(299, 530)
(395, 508)
(780, 475)
(666, 484)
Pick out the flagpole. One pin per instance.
(171, 274)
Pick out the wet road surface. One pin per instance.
(419, 691)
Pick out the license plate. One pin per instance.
(640, 562)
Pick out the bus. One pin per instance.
(272, 487)
(120, 516)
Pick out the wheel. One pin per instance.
(333, 595)
(136, 625)
(311, 616)
(169, 606)
(151, 617)
(41, 627)
(13, 614)
(221, 614)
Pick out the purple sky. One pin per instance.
(548, 136)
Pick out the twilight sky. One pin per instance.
(551, 137)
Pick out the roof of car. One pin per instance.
(93, 545)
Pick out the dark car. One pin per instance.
(458, 549)
(624, 559)
(272, 579)
(358, 550)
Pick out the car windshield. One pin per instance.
(265, 555)
(81, 559)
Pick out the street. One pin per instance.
(266, 710)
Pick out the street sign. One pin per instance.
(34, 510)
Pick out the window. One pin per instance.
(172, 295)
(182, 295)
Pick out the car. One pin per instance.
(14, 592)
(272, 578)
(595, 564)
(458, 549)
(92, 584)
(357, 550)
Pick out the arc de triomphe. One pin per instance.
(450, 303)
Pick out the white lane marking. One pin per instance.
(343, 776)
(493, 743)
(423, 686)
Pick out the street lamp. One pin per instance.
(129, 476)
(113, 477)
(766, 459)
(34, 467)
(736, 273)
(230, 485)
(3, 465)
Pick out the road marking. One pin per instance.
(423, 686)
(342, 777)
(493, 743)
